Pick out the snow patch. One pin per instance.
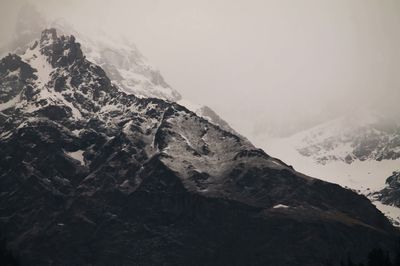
(10, 103)
(76, 132)
(77, 155)
(16, 72)
(281, 206)
(40, 63)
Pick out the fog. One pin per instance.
(264, 66)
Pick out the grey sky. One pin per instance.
(259, 64)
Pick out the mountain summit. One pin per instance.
(91, 175)
(121, 60)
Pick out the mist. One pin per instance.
(267, 67)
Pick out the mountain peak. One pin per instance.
(62, 84)
(122, 61)
(48, 36)
(61, 51)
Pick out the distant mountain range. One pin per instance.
(362, 136)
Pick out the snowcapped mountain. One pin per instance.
(123, 63)
(361, 136)
(120, 59)
(92, 175)
(358, 151)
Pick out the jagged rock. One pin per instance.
(390, 195)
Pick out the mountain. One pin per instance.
(358, 151)
(361, 136)
(91, 175)
(123, 63)
(120, 59)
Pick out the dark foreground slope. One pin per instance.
(92, 176)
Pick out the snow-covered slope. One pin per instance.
(360, 136)
(358, 151)
(123, 63)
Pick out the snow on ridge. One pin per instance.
(120, 59)
(39, 62)
(11, 103)
(123, 62)
(280, 206)
(16, 72)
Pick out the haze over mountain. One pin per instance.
(104, 162)
(92, 175)
(120, 59)
(279, 66)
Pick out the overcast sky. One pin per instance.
(258, 63)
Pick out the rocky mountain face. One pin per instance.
(91, 175)
(390, 195)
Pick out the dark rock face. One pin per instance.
(15, 75)
(92, 176)
(61, 51)
(391, 194)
